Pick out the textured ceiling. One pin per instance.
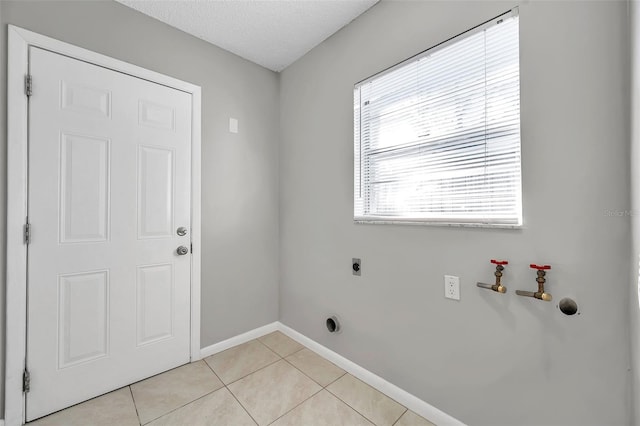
(271, 33)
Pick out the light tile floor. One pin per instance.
(272, 380)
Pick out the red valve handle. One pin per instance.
(540, 267)
(499, 262)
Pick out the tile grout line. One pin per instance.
(306, 375)
(156, 375)
(214, 373)
(200, 397)
(401, 415)
(226, 386)
(282, 358)
(335, 396)
(62, 410)
(184, 405)
(320, 356)
(314, 381)
(298, 350)
(229, 390)
(367, 384)
(284, 414)
(242, 406)
(261, 342)
(273, 350)
(248, 374)
(347, 404)
(379, 391)
(134, 405)
(357, 411)
(341, 376)
(257, 339)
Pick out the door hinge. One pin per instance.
(191, 247)
(26, 381)
(27, 233)
(28, 85)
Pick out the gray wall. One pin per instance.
(634, 296)
(239, 171)
(489, 359)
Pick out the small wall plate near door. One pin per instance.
(452, 287)
(355, 266)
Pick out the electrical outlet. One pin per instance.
(452, 287)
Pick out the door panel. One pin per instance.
(155, 303)
(156, 115)
(85, 100)
(83, 333)
(84, 188)
(109, 184)
(155, 192)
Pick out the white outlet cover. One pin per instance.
(452, 287)
(233, 125)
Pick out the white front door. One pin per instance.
(109, 186)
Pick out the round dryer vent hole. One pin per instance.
(333, 325)
(568, 306)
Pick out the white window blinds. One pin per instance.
(437, 137)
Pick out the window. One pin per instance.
(437, 137)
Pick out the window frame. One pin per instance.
(476, 222)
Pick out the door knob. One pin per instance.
(182, 250)
(182, 231)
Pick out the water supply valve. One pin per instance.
(540, 294)
(497, 287)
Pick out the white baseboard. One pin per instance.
(238, 340)
(413, 403)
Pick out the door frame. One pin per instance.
(19, 41)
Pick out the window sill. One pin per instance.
(439, 224)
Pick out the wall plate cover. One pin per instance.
(452, 287)
(356, 266)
